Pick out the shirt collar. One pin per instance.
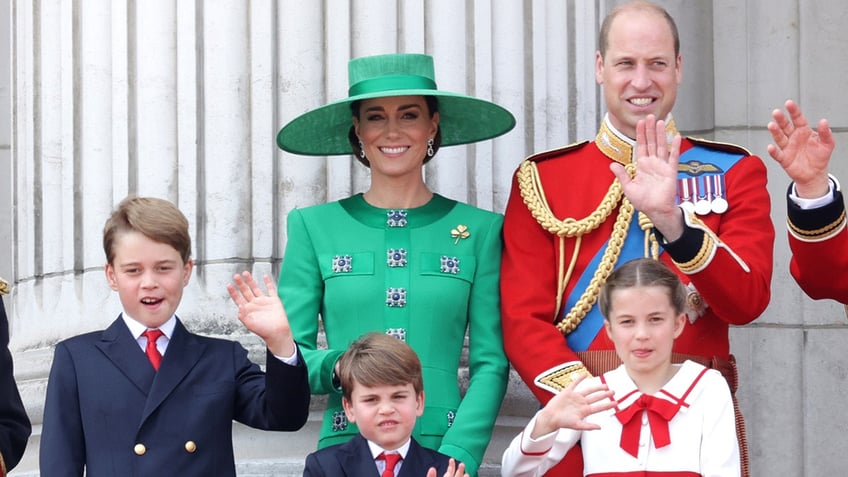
(137, 329)
(377, 450)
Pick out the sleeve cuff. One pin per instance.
(560, 376)
(693, 249)
(806, 204)
(816, 224)
(328, 371)
(540, 445)
(461, 455)
(289, 360)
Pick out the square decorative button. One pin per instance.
(450, 265)
(339, 421)
(396, 218)
(451, 417)
(398, 333)
(396, 257)
(396, 297)
(342, 264)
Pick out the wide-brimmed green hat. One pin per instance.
(463, 119)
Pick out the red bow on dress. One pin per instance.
(660, 412)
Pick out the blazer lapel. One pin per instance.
(122, 349)
(183, 352)
(355, 458)
(417, 462)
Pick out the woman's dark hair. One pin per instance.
(432, 105)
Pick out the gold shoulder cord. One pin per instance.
(530, 186)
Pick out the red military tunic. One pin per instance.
(726, 257)
(819, 241)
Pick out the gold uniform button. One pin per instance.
(190, 447)
(139, 449)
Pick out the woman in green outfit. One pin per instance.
(400, 258)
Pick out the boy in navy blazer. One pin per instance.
(125, 402)
(14, 423)
(383, 393)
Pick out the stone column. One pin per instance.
(182, 100)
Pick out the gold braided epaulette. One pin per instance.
(4, 287)
(720, 146)
(541, 156)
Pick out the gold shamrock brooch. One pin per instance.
(460, 232)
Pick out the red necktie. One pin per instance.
(660, 412)
(152, 352)
(391, 461)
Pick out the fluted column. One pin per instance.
(182, 100)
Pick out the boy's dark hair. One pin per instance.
(644, 272)
(157, 219)
(377, 359)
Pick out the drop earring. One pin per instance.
(430, 151)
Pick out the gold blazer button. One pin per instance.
(190, 447)
(139, 449)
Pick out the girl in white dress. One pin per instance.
(648, 416)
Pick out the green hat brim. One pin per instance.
(462, 120)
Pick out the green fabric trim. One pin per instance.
(460, 454)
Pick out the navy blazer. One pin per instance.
(14, 423)
(353, 459)
(108, 412)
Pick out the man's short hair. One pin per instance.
(603, 36)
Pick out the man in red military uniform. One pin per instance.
(815, 208)
(576, 213)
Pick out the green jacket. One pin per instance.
(341, 261)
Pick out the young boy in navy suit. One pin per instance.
(383, 393)
(125, 402)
